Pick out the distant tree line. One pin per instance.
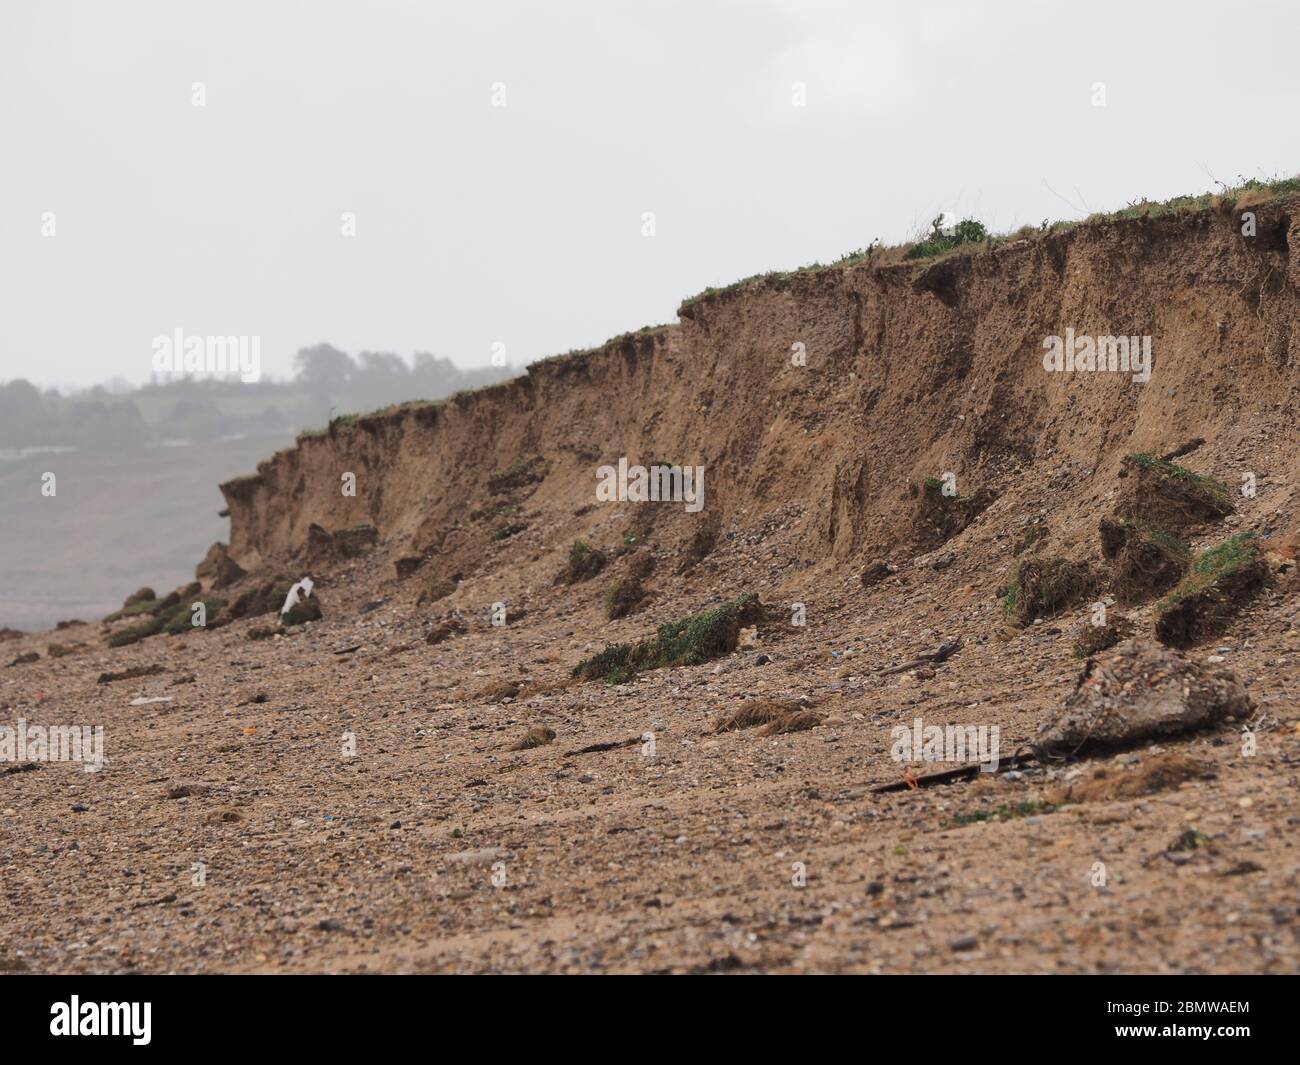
(327, 383)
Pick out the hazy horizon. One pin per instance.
(520, 224)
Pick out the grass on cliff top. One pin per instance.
(1207, 485)
(690, 641)
(939, 241)
(970, 234)
(1211, 567)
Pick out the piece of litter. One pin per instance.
(291, 600)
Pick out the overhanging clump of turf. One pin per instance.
(1219, 581)
(1208, 485)
(1170, 497)
(688, 642)
(1145, 560)
(1043, 587)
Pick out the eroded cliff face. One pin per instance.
(481, 667)
(911, 371)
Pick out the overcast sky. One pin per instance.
(523, 224)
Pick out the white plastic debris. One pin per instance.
(292, 599)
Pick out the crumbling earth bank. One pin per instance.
(416, 781)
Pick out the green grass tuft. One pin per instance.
(1211, 567)
(1021, 809)
(1208, 485)
(941, 240)
(688, 642)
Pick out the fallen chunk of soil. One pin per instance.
(181, 621)
(1220, 581)
(1111, 781)
(265, 597)
(1043, 587)
(797, 721)
(135, 633)
(355, 540)
(437, 588)
(1145, 560)
(537, 736)
(1137, 692)
(303, 611)
(688, 642)
(1169, 497)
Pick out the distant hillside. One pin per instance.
(328, 383)
(137, 470)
